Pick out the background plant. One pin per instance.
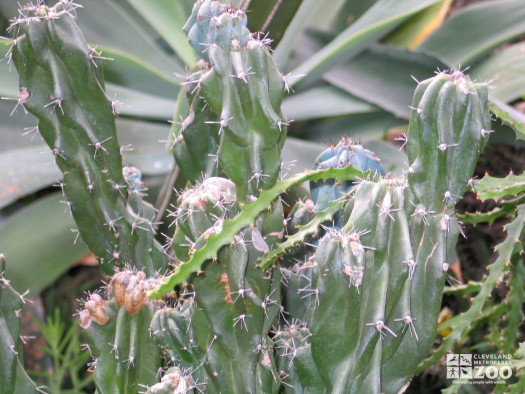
(370, 98)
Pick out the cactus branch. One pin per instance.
(244, 219)
(506, 250)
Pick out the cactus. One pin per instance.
(370, 296)
(345, 153)
(234, 304)
(12, 374)
(193, 140)
(61, 83)
(241, 315)
(125, 357)
(244, 90)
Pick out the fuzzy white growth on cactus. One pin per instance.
(216, 189)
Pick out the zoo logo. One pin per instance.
(460, 366)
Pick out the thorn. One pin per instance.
(411, 264)
(443, 147)
(55, 102)
(257, 176)
(409, 322)
(484, 132)
(31, 130)
(94, 54)
(417, 109)
(403, 138)
(223, 123)
(381, 328)
(281, 123)
(77, 233)
(98, 146)
(243, 74)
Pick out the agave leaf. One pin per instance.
(380, 19)
(506, 72)
(39, 254)
(167, 18)
(475, 30)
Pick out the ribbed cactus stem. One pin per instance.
(13, 377)
(117, 331)
(244, 89)
(62, 84)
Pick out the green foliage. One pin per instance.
(68, 358)
(496, 188)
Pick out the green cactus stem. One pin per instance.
(345, 153)
(117, 330)
(449, 126)
(13, 377)
(233, 302)
(193, 140)
(244, 90)
(61, 84)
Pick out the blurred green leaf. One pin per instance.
(130, 72)
(167, 17)
(25, 171)
(414, 31)
(380, 19)
(12, 133)
(146, 139)
(362, 127)
(349, 12)
(301, 20)
(140, 105)
(300, 154)
(475, 30)
(392, 159)
(110, 25)
(321, 102)
(271, 16)
(506, 72)
(39, 244)
(8, 75)
(384, 76)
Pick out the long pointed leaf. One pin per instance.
(167, 17)
(475, 30)
(380, 19)
(384, 76)
(506, 71)
(38, 243)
